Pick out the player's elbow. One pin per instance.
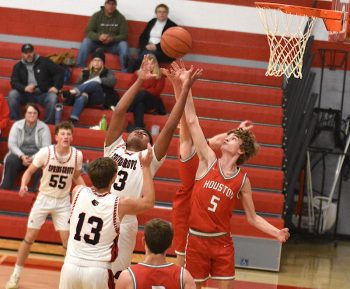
(149, 204)
(252, 220)
(191, 120)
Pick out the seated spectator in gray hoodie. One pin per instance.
(27, 136)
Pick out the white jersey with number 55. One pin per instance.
(129, 181)
(58, 171)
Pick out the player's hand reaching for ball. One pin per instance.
(146, 160)
(246, 125)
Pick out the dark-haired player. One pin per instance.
(155, 271)
(129, 180)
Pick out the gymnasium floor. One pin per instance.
(313, 264)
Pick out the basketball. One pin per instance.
(176, 42)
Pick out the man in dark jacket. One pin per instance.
(107, 29)
(149, 40)
(34, 79)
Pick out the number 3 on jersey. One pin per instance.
(122, 177)
(213, 203)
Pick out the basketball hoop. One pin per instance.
(288, 30)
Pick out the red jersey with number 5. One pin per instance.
(213, 199)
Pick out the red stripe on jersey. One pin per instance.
(213, 200)
(116, 215)
(48, 157)
(114, 248)
(75, 200)
(110, 279)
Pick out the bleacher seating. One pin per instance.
(225, 96)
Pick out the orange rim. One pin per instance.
(333, 19)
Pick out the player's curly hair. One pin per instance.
(249, 145)
(101, 171)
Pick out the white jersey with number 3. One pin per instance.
(94, 228)
(58, 171)
(129, 181)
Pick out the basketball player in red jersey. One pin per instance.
(219, 182)
(188, 164)
(155, 271)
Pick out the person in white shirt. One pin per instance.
(95, 223)
(149, 40)
(129, 181)
(61, 164)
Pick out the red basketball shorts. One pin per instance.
(210, 257)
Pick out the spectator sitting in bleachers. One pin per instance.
(148, 98)
(4, 113)
(27, 136)
(35, 79)
(95, 87)
(107, 29)
(149, 40)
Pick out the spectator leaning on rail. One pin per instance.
(27, 136)
(107, 29)
(34, 79)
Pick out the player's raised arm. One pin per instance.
(162, 143)
(186, 147)
(115, 128)
(133, 206)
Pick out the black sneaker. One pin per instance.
(68, 97)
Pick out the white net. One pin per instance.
(287, 35)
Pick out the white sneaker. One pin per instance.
(13, 282)
(95, 127)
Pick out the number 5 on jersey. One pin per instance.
(213, 203)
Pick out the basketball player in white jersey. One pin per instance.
(155, 271)
(61, 164)
(95, 221)
(129, 179)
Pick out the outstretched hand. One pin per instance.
(283, 235)
(246, 125)
(147, 159)
(188, 77)
(146, 68)
(173, 76)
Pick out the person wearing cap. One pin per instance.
(34, 79)
(107, 29)
(95, 87)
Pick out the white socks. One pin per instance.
(18, 269)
